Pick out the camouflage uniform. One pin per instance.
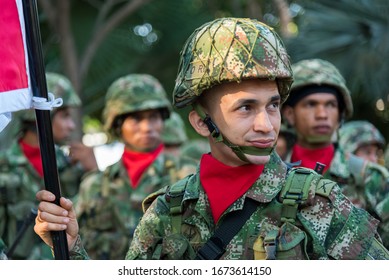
(108, 207)
(174, 133)
(364, 183)
(326, 226)
(3, 256)
(195, 148)
(19, 181)
(371, 182)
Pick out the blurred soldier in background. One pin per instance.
(174, 134)
(363, 139)
(109, 205)
(195, 149)
(318, 103)
(3, 256)
(285, 142)
(21, 172)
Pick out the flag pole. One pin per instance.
(43, 119)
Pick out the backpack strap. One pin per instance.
(301, 185)
(296, 191)
(174, 195)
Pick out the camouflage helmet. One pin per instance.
(61, 87)
(174, 130)
(320, 72)
(133, 93)
(354, 134)
(230, 50)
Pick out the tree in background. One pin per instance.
(353, 35)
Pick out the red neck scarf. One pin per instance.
(309, 157)
(137, 162)
(33, 154)
(225, 184)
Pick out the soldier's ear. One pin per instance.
(198, 125)
(288, 115)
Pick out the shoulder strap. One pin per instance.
(174, 196)
(215, 247)
(295, 192)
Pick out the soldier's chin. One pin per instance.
(258, 160)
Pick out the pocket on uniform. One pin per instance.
(287, 242)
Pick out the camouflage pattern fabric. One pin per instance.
(367, 187)
(133, 93)
(3, 256)
(109, 208)
(195, 148)
(386, 156)
(174, 130)
(19, 183)
(327, 227)
(354, 134)
(240, 49)
(61, 87)
(320, 72)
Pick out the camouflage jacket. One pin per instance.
(366, 184)
(109, 208)
(19, 183)
(3, 256)
(328, 225)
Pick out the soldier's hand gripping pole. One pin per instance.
(43, 118)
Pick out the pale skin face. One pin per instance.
(370, 152)
(314, 116)
(63, 125)
(246, 113)
(141, 131)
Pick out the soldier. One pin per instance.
(109, 204)
(363, 139)
(21, 172)
(195, 148)
(174, 134)
(243, 202)
(318, 103)
(286, 140)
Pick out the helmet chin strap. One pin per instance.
(240, 151)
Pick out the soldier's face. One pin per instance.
(315, 118)
(370, 152)
(141, 131)
(247, 114)
(63, 125)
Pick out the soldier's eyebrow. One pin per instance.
(275, 98)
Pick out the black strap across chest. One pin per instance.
(215, 247)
